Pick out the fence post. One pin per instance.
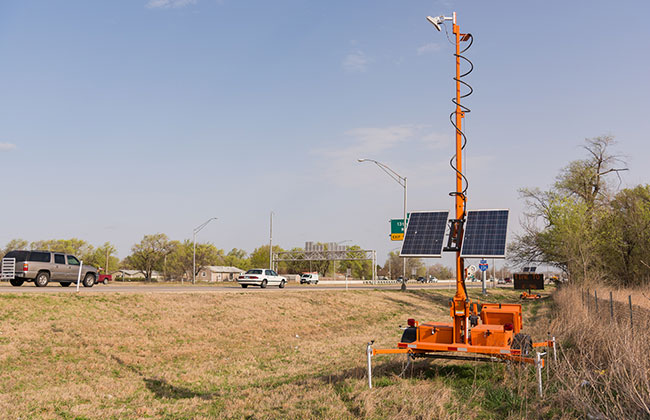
(611, 306)
(629, 299)
(596, 300)
(587, 299)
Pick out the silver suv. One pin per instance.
(42, 267)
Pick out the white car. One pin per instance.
(309, 278)
(261, 277)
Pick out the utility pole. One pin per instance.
(271, 242)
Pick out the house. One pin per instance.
(134, 275)
(213, 273)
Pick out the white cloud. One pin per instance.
(356, 62)
(4, 147)
(390, 144)
(169, 4)
(429, 48)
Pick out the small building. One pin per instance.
(214, 273)
(134, 275)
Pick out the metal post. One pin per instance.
(81, 264)
(374, 266)
(538, 366)
(193, 257)
(596, 300)
(369, 355)
(611, 306)
(484, 291)
(271, 242)
(404, 265)
(554, 350)
(629, 300)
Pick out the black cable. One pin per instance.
(465, 110)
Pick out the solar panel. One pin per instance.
(485, 234)
(424, 235)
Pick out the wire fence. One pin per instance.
(625, 313)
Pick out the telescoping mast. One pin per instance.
(490, 331)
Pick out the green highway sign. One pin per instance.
(397, 228)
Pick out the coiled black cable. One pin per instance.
(465, 110)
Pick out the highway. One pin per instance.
(6, 288)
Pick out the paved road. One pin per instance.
(162, 288)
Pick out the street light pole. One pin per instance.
(194, 232)
(271, 242)
(401, 180)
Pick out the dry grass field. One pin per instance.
(241, 355)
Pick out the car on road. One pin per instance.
(309, 278)
(261, 277)
(501, 281)
(42, 267)
(422, 280)
(104, 278)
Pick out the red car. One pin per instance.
(104, 278)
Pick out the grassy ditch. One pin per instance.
(604, 369)
(242, 356)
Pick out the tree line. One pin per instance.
(175, 259)
(586, 224)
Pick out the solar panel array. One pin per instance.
(485, 234)
(424, 234)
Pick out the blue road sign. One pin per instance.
(483, 265)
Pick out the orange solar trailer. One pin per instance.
(478, 331)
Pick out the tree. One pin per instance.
(180, 260)
(359, 268)
(441, 272)
(149, 254)
(624, 237)
(77, 247)
(395, 265)
(97, 257)
(260, 256)
(562, 226)
(237, 258)
(15, 244)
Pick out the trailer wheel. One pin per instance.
(523, 342)
(16, 282)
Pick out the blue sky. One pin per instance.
(125, 118)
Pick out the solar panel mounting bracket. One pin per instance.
(455, 235)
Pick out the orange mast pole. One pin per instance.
(460, 309)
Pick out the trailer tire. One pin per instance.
(16, 282)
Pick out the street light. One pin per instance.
(401, 180)
(195, 231)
